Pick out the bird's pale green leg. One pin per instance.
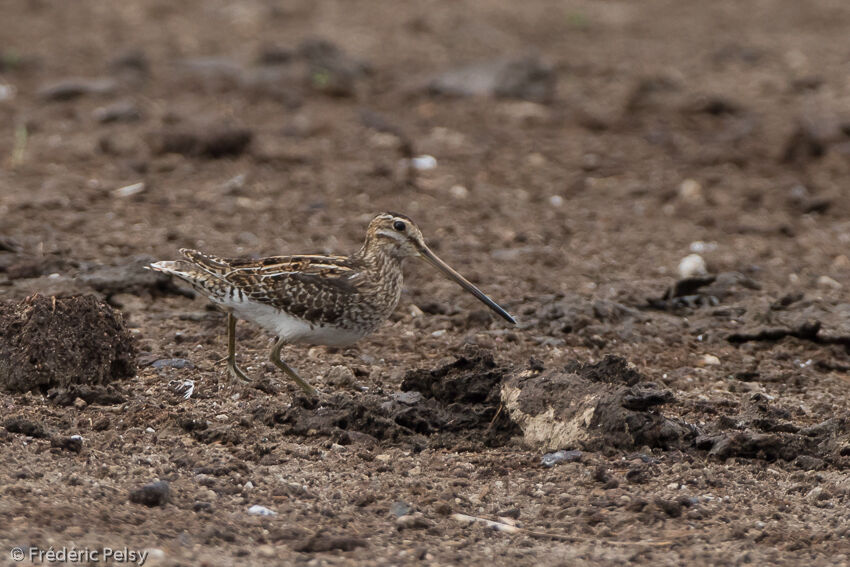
(234, 370)
(275, 358)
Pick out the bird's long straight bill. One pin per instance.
(465, 284)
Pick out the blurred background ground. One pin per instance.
(582, 149)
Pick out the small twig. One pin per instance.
(21, 136)
(509, 529)
(495, 417)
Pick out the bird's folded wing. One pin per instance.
(315, 288)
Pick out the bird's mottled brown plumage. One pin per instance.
(315, 299)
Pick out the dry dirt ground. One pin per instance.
(623, 137)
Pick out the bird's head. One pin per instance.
(399, 237)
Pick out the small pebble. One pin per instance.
(692, 265)
(423, 162)
(700, 247)
(709, 360)
(558, 457)
(459, 192)
(414, 521)
(172, 363)
(690, 191)
(399, 509)
(826, 281)
(7, 92)
(122, 111)
(340, 376)
(257, 510)
(129, 190)
(556, 200)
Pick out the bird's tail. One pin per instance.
(199, 279)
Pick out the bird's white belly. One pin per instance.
(291, 329)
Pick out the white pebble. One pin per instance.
(709, 360)
(556, 200)
(700, 247)
(826, 281)
(7, 92)
(150, 430)
(690, 191)
(129, 190)
(692, 265)
(257, 510)
(423, 162)
(459, 192)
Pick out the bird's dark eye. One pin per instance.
(399, 226)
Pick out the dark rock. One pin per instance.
(672, 508)
(25, 427)
(154, 494)
(321, 542)
(56, 342)
(68, 89)
(415, 521)
(121, 111)
(212, 142)
(74, 443)
(179, 363)
(520, 77)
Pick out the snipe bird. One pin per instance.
(312, 299)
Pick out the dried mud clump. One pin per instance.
(596, 407)
(49, 342)
(455, 403)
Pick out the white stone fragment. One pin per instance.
(692, 265)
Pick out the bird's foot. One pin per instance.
(235, 372)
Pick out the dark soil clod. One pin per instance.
(459, 401)
(154, 494)
(595, 407)
(209, 142)
(25, 427)
(48, 342)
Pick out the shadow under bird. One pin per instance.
(314, 299)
